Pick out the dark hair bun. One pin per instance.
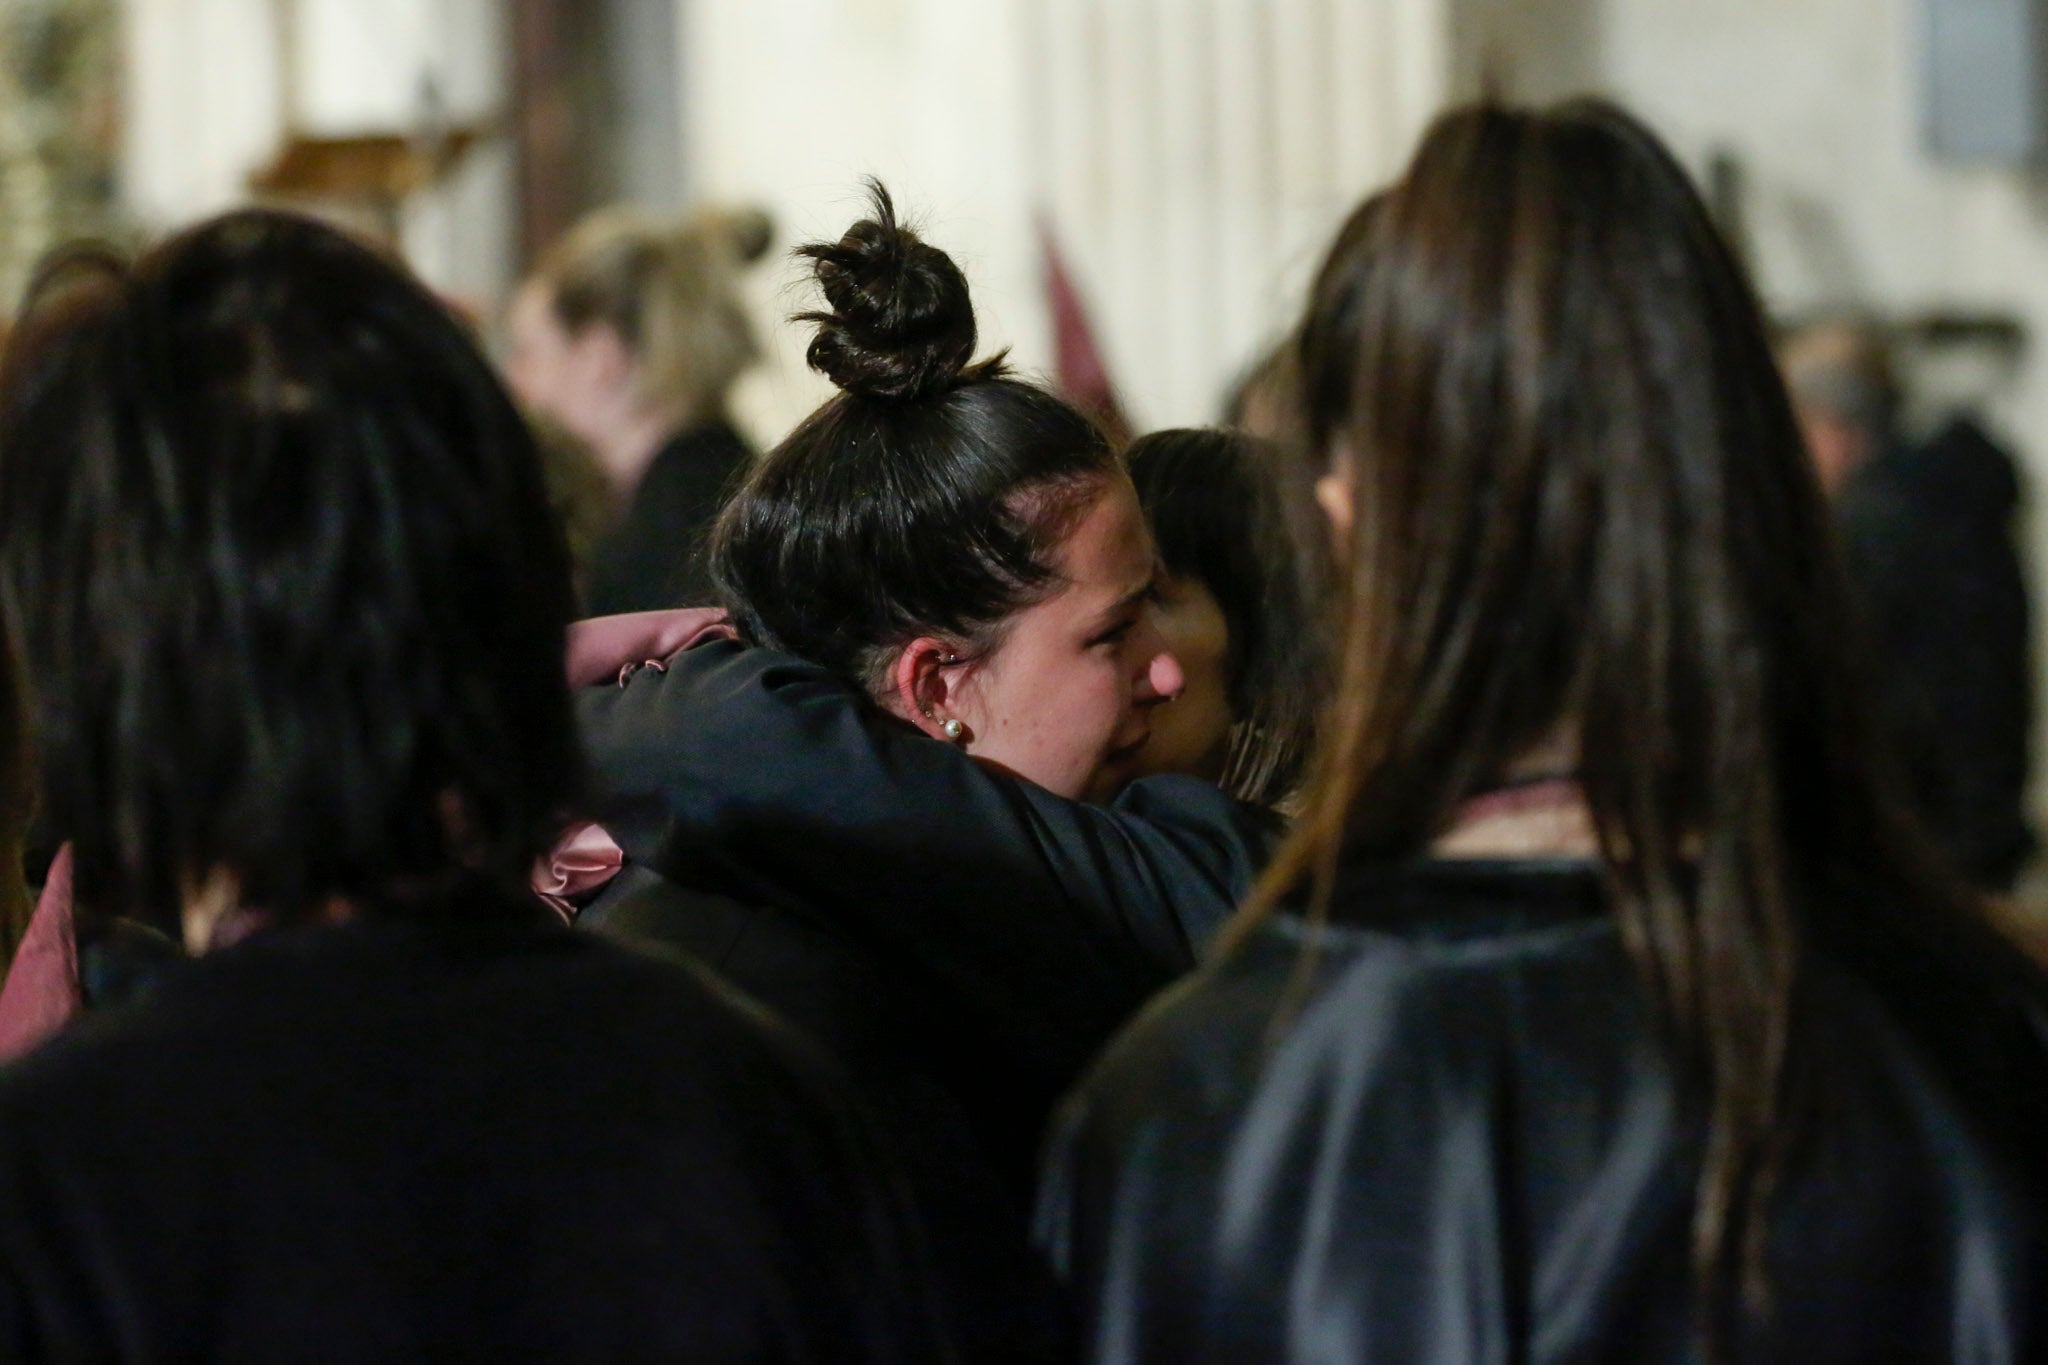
(901, 325)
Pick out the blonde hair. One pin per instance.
(670, 289)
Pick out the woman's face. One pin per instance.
(1192, 736)
(568, 378)
(537, 355)
(1068, 698)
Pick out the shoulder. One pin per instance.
(1318, 1077)
(388, 1002)
(1298, 998)
(1203, 811)
(691, 471)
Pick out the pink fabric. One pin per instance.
(583, 860)
(600, 650)
(608, 647)
(42, 992)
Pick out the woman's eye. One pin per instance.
(1116, 634)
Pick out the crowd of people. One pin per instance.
(1408, 874)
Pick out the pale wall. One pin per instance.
(205, 107)
(1821, 101)
(790, 103)
(1144, 132)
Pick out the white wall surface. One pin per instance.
(206, 105)
(1821, 102)
(790, 103)
(202, 105)
(1142, 130)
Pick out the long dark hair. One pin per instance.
(1583, 510)
(927, 497)
(286, 581)
(1213, 499)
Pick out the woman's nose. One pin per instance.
(1163, 679)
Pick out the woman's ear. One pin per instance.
(1333, 493)
(927, 681)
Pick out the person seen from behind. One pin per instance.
(279, 552)
(1602, 1004)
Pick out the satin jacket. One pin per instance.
(1443, 1127)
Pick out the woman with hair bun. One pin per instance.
(876, 800)
(628, 337)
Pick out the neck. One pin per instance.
(1536, 817)
(630, 447)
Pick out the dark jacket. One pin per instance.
(654, 556)
(1444, 1129)
(963, 940)
(1038, 922)
(477, 1141)
(1928, 545)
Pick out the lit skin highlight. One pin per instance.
(1193, 735)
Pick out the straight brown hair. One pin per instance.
(1583, 510)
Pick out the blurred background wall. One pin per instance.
(1185, 158)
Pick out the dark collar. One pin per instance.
(1465, 898)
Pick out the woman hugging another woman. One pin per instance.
(885, 808)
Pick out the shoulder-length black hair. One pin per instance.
(289, 592)
(1214, 501)
(927, 497)
(1583, 511)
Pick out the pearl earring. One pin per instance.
(955, 728)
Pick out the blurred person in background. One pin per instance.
(883, 809)
(1261, 402)
(17, 807)
(1265, 404)
(629, 337)
(1928, 532)
(278, 549)
(1230, 606)
(1600, 1006)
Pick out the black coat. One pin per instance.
(457, 1142)
(1452, 1134)
(963, 940)
(1928, 544)
(653, 557)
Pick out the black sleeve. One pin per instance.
(755, 775)
(875, 1294)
